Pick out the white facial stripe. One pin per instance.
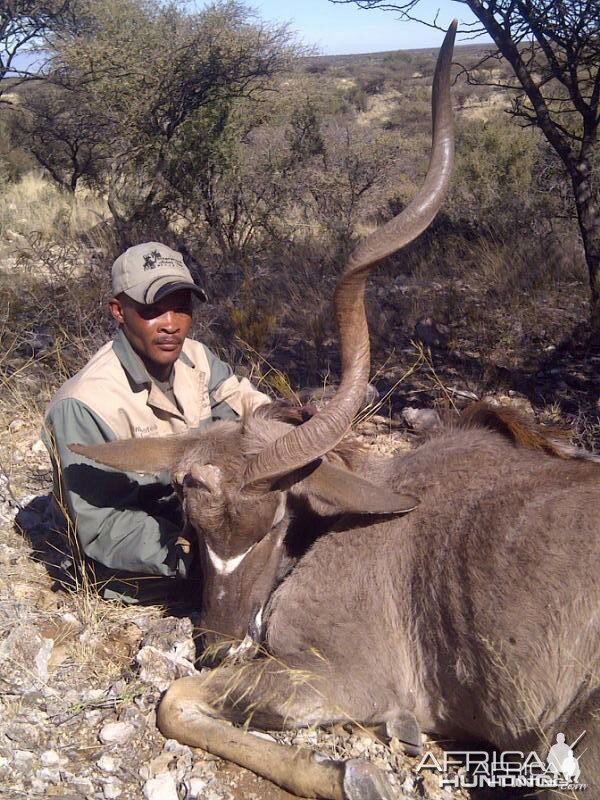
(241, 647)
(225, 566)
(280, 511)
(258, 618)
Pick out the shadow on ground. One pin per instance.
(70, 572)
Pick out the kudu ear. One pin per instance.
(150, 455)
(341, 491)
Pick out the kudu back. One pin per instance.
(453, 589)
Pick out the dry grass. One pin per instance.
(264, 375)
(35, 205)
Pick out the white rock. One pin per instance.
(94, 696)
(160, 669)
(213, 795)
(107, 763)
(205, 769)
(116, 733)
(23, 756)
(83, 786)
(25, 646)
(112, 789)
(50, 758)
(185, 650)
(360, 746)
(38, 786)
(156, 766)
(162, 787)
(42, 658)
(49, 774)
(38, 447)
(142, 622)
(262, 735)
(511, 400)
(196, 787)
(421, 419)
(16, 425)
(173, 746)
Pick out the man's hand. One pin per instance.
(181, 556)
(184, 544)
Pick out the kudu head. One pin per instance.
(244, 530)
(239, 481)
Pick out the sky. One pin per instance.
(333, 29)
(339, 29)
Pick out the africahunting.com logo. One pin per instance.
(478, 769)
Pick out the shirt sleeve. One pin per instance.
(228, 394)
(117, 515)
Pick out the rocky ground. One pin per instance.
(80, 677)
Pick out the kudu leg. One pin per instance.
(199, 711)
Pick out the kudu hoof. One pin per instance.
(407, 730)
(365, 781)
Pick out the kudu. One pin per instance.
(474, 616)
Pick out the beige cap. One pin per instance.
(151, 271)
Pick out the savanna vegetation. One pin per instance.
(214, 132)
(553, 52)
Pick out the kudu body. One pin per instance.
(473, 616)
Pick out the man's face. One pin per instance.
(157, 331)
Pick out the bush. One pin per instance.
(15, 162)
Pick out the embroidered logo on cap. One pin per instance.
(155, 260)
(150, 259)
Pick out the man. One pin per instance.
(151, 380)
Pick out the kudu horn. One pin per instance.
(322, 433)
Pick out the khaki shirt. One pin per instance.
(123, 520)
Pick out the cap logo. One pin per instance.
(155, 260)
(150, 260)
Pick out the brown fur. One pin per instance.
(478, 612)
(509, 422)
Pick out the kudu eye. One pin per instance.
(186, 480)
(192, 482)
